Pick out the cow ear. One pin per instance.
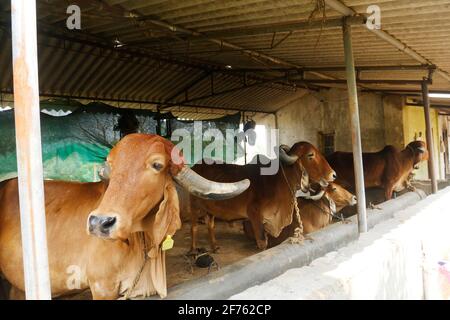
(331, 203)
(167, 219)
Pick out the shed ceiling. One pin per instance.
(220, 54)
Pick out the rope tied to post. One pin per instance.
(297, 237)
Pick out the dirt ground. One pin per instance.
(233, 243)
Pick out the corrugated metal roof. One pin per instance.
(156, 62)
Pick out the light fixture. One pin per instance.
(439, 95)
(228, 67)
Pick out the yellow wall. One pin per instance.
(413, 124)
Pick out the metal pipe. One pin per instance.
(29, 153)
(429, 135)
(347, 11)
(340, 7)
(147, 102)
(280, 28)
(144, 21)
(364, 81)
(356, 132)
(332, 68)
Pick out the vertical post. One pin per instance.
(245, 139)
(354, 121)
(429, 135)
(29, 154)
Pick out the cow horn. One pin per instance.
(315, 197)
(421, 149)
(285, 147)
(207, 189)
(285, 158)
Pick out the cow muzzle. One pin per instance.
(330, 178)
(101, 226)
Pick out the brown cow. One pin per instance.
(388, 169)
(268, 203)
(315, 214)
(137, 207)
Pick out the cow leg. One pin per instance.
(258, 228)
(194, 233)
(16, 294)
(194, 213)
(388, 192)
(212, 234)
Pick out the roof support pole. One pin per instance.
(354, 122)
(29, 153)
(429, 136)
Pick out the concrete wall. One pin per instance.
(301, 120)
(407, 257)
(337, 119)
(327, 112)
(393, 121)
(384, 120)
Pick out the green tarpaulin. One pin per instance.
(74, 145)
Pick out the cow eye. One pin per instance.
(310, 155)
(157, 166)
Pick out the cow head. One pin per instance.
(340, 196)
(305, 155)
(140, 194)
(419, 151)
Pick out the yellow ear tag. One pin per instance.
(167, 244)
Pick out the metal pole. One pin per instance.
(431, 162)
(356, 133)
(29, 153)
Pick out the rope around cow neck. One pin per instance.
(138, 275)
(297, 237)
(330, 210)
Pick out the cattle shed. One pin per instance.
(353, 75)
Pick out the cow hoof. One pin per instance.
(262, 244)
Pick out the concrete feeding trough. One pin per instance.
(271, 263)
